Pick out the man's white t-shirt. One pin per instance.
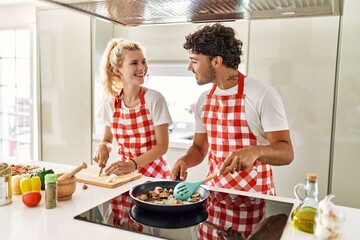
(154, 102)
(264, 109)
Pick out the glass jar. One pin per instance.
(50, 190)
(303, 217)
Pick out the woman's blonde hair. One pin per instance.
(113, 56)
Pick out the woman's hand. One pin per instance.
(120, 168)
(102, 154)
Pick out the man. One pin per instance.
(240, 123)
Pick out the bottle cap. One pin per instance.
(311, 177)
(50, 178)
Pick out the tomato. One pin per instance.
(31, 199)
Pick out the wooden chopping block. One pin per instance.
(69, 175)
(90, 175)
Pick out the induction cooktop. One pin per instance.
(225, 216)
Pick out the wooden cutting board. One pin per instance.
(90, 175)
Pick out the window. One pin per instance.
(181, 94)
(15, 93)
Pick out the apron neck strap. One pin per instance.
(240, 91)
(141, 95)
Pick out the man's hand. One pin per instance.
(179, 170)
(239, 160)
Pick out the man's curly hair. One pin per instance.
(216, 40)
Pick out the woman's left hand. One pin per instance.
(120, 168)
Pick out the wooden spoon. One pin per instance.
(73, 172)
(184, 190)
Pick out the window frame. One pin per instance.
(33, 97)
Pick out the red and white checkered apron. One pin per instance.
(134, 132)
(121, 207)
(235, 214)
(227, 130)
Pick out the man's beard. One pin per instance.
(208, 77)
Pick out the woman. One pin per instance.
(137, 117)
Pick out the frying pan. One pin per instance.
(146, 187)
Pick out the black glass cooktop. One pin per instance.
(224, 216)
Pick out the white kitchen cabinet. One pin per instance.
(346, 160)
(64, 59)
(298, 57)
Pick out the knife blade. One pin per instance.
(101, 169)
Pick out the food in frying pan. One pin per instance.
(161, 195)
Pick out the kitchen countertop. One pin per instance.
(20, 222)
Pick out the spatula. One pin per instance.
(184, 190)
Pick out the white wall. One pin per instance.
(298, 57)
(18, 13)
(346, 162)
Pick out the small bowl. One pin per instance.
(66, 188)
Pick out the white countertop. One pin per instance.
(20, 222)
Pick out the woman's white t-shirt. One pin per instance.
(264, 109)
(154, 102)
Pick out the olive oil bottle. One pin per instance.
(303, 217)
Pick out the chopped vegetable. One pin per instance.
(19, 169)
(111, 178)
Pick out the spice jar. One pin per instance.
(50, 190)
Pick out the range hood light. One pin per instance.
(288, 13)
(168, 20)
(203, 12)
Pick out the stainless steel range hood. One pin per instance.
(140, 12)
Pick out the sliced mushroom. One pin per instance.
(164, 195)
(153, 194)
(159, 189)
(143, 197)
(194, 199)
